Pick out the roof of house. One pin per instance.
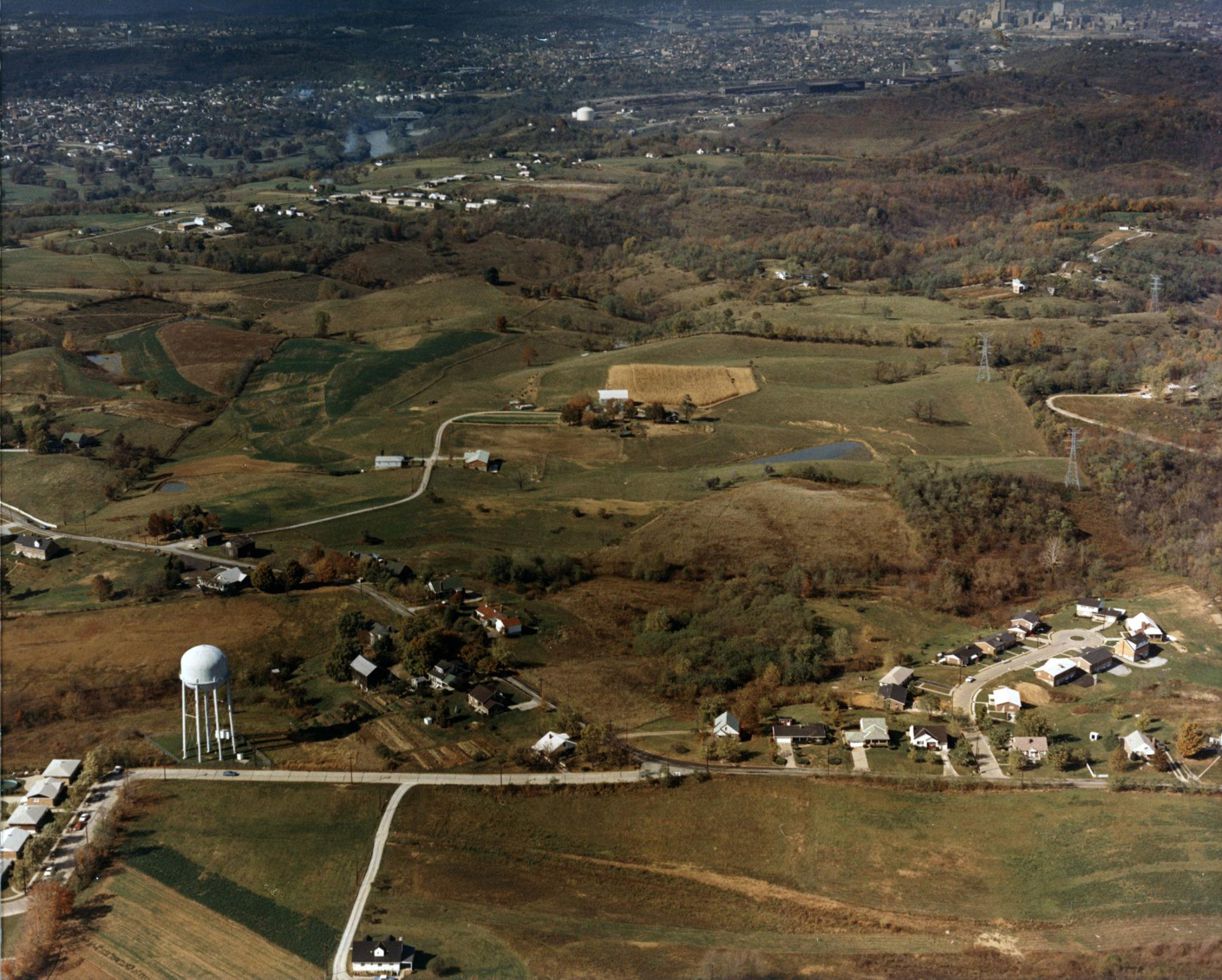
(896, 675)
(45, 787)
(799, 731)
(62, 768)
(1029, 743)
(447, 668)
(1137, 639)
(553, 742)
(1095, 655)
(1056, 665)
(1005, 695)
(476, 456)
(241, 540)
(1003, 638)
(1141, 623)
(362, 666)
(386, 950)
(937, 732)
(1137, 741)
(893, 692)
(1026, 616)
(14, 838)
(28, 814)
(965, 652)
(726, 719)
(380, 629)
(30, 541)
(451, 583)
(874, 725)
(485, 695)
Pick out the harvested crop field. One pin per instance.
(669, 383)
(150, 930)
(210, 355)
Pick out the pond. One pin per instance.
(111, 363)
(830, 450)
(172, 486)
(10, 785)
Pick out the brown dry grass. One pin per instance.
(1033, 694)
(668, 383)
(150, 930)
(210, 355)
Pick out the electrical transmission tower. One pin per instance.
(1156, 292)
(1072, 477)
(984, 373)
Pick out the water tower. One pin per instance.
(205, 670)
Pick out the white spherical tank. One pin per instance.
(584, 114)
(204, 668)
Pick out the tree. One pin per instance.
(322, 323)
(528, 355)
(687, 407)
(1034, 724)
(1189, 740)
(265, 578)
(1118, 761)
(1160, 760)
(160, 523)
(492, 276)
(1062, 758)
(502, 324)
(574, 409)
(103, 588)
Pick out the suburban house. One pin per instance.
(1094, 660)
(29, 816)
(1027, 621)
(476, 459)
(397, 570)
(894, 696)
(38, 548)
(963, 656)
(1134, 646)
(387, 957)
(1031, 748)
(929, 737)
(63, 769)
(870, 733)
(1141, 623)
(485, 700)
(45, 792)
(1005, 701)
(997, 644)
(1057, 671)
(1092, 608)
(495, 618)
(726, 725)
(445, 587)
(1139, 746)
(447, 675)
(240, 546)
(379, 632)
(896, 675)
(228, 581)
(389, 462)
(799, 734)
(365, 673)
(12, 842)
(554, 744)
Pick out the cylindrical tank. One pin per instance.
(584, 114)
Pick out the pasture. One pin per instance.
(670, 383)
(212, 355)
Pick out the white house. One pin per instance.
(1005, 701)
(387, 957)
(13, 841)
(62, 769)
(896, 675)
(1017, 286)
(870, 733)
(393, 462)
(1141, 623)
(553, 744)
(46, 792)
(929, 737)
(612, 395)
(1138, 745)
(29, 816)
(726, 725)
(1057, 671)
(1033, 748)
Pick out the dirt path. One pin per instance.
(1051, 403)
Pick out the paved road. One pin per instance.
(1052, 404)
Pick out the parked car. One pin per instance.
(229, 772)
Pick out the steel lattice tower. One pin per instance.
(985, 372)
(1073, 478)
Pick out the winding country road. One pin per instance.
(1051, 402)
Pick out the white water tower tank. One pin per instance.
(584, 115)
(204, 669)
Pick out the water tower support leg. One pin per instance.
(183, 687)
(207, 727)
(216, 721)
(199, 752)
(233, 734)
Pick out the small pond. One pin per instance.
(172, 486)
(831, 450)
(111, 363)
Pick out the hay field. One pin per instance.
(151, 931)
(211, 355)
(669, 383)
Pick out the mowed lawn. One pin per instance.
(281, 860)
(646, 881)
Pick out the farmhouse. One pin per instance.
(997, 644)
(1005, 701)
(446, 587)
(1092, 608)
(485, 700)
(365, 673)
(228, 581)
(894, 696)
(240, 546)
(1139, 746)
(29, 816)
(799, 734)
(608, 395)
(1031, 748)
(1057, 671)
(62, 769)
(1134, 646)
(446, 675)
(553, 744)
(726, 725)
(13, 841)
(389, 462)
(1027, 621)
(871, 733)
(1141, 623)
(38, 548)
(963, 656)
(929, 737)
(45, 792)
(896, 675)
(78, 440)
(387, 957)
(1094, 660)
(476, 459)
(495, 618)
(210, 539)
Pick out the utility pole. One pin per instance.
(1156, 292)
(984, 372)
(1072, 477)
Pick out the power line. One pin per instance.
(1156, 292)
(1073, 478)
(984, 373)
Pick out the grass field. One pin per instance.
(1183, 424)
(212, 355)
(669, 383)
(638, 882)
(269, 858)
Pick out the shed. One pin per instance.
(63, 769)
(36, 546)
(476, 459)
(365, 673)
